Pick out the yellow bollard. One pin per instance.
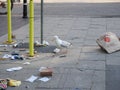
(31, 29)
(9, 22)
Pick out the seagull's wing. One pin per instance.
(65, 44)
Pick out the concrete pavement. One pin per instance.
(85, 67)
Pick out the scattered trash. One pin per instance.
(7, 56)
(18, 44)
(61, 43)
(14, 69)
(15, 55)
(61, 56)
(13, 83)
(3, 84)
(3, 45)
(56, 50)
(32, 79)
(15, 45)
(26, 63)
(109, 42)
(45, 43)
(38, 44)
(62, 53)
(44, 79)
(45, 72)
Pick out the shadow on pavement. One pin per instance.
(17, 22)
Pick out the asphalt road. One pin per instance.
(94, 10)
(83, 9)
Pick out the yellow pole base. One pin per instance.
(8, 42)
(31, 55)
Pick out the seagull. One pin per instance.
(61, 43)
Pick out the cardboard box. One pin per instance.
(109, 42)
(46, 72)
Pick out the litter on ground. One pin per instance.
(32, 79)
(13, 83)
(44, 79)
(45, 71)
(14, 69)
(26, 63)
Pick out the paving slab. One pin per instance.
(112, 77)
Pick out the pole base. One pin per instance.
(8, 42)
(25, 17)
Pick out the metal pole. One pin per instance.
(31, 28)
(41, 21)
(9, 22)
(25, 9)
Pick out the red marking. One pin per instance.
(106, 39)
